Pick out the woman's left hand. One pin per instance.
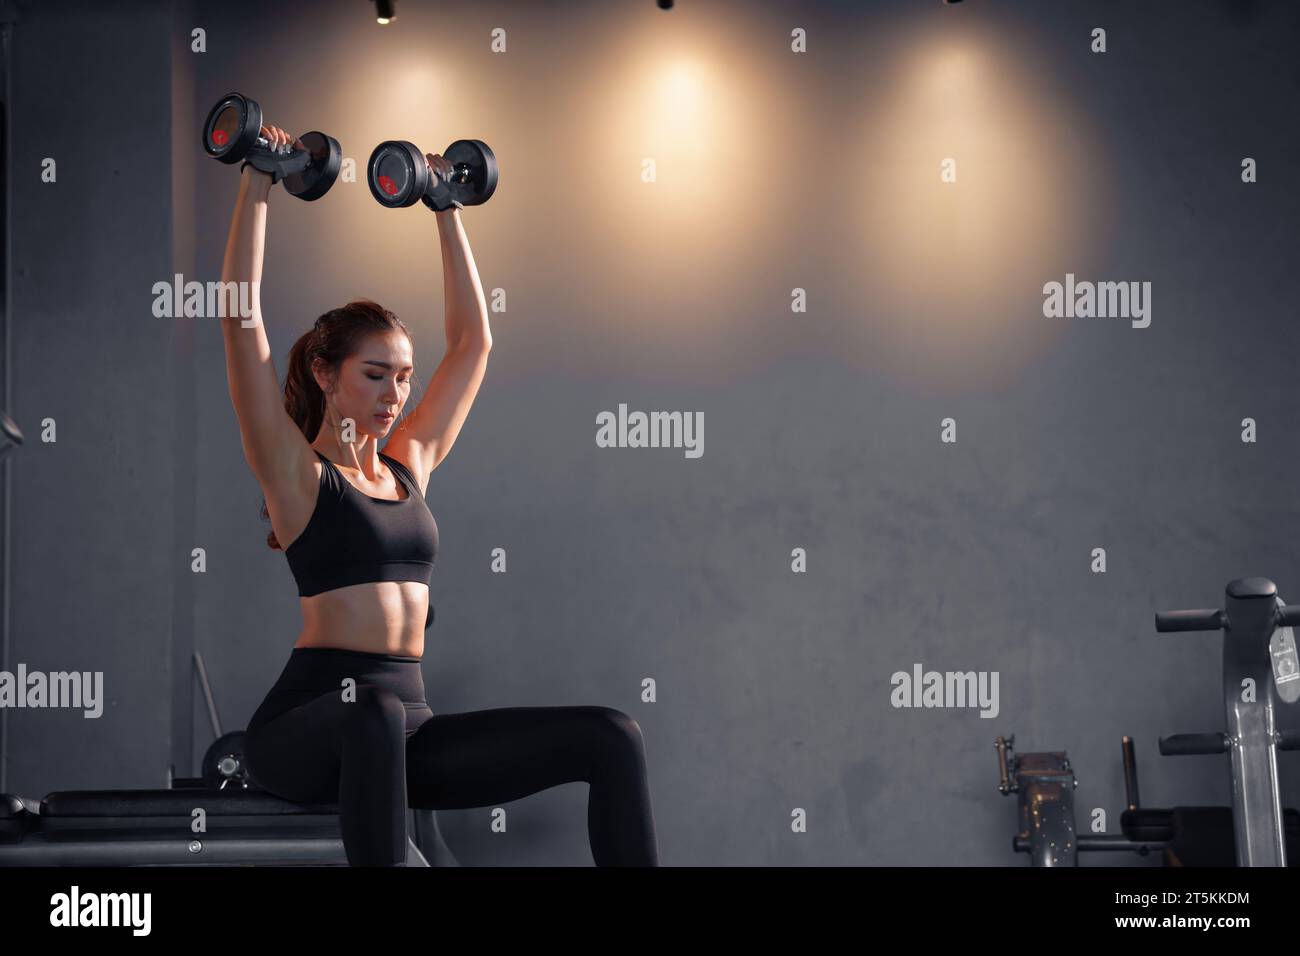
(439, 166)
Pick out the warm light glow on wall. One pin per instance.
(679, 92)
(951, 274)
(772, 172)
(685, 102)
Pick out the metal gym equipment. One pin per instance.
(1259, 666)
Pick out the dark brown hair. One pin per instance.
(337, 335)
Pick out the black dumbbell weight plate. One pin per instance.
(481, 176)
(232, 127)
(326, 158)
(224, 760)
(398, 173)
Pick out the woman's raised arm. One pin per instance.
(270, 437)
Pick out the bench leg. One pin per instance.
(428, 840)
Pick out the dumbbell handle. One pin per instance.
(438, 185)
(263, 142)
(460, 173)
(278, 162)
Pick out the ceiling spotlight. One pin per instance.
(384, 12)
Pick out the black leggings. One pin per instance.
(375, 748)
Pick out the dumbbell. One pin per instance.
(232, 133)
(400, 176)
(223, 763)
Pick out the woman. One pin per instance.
(347, 722)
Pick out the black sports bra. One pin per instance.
(353, 538)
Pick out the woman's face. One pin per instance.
(374, 382)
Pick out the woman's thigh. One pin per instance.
(296, 754)
(484, 757)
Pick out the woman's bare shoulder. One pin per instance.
(297, 478)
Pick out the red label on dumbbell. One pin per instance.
(387, 185)
(219, 137)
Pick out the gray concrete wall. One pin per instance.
(93, 382)
(776, 172)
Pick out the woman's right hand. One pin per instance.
(277, 139)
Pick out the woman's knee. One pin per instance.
(616, 730)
